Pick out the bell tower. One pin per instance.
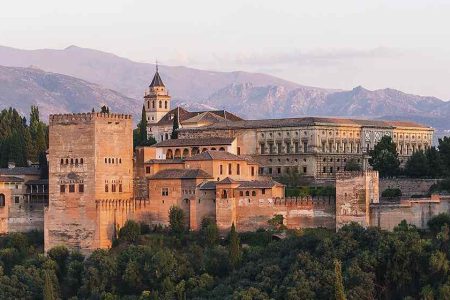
(156, 100)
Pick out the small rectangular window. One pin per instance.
(147, 170)
(62, 188)
(71, 188)
(120, 188)
(113, 187)
(263, 191)
(229, 169)
(253, 171)
(238, 150)
(220, 169)
(16, 199)
(238, 169)
(304, 169)
(106, 188)
(165, 192)
(81, 188)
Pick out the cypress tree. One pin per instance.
(48, 293)
(339, 284)
(235, 247)
(176, 125)
(143, 128)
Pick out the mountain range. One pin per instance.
(77, 79)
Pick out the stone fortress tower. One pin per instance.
(156, 100)
(90, 179)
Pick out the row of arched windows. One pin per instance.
(160, 104)
(72, 161)
(113, 160)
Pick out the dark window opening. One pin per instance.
(71, 188)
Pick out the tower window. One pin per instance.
(81, 188)
(120, 188)
(106, 188)
(160, 104)
(153, 104)
(62, 188)
(113, 187)
(62, 161)
(165, 104)
(71, 188)
(229, 169)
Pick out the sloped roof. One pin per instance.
(38, 181)
(212, 141)
(246, 184)
(208, 185)
(165, 161)
(181, 174)
(157, 81)
(308, 121)
(184, 115)
(20, 171)
(215, 155)
(10, 179)
(206, 116)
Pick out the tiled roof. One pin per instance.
(10, 179)
(209, 185)
(188, 116)
(215, 155)
(181, 174)
(165, 161)
(212, 141)
(20, 171)
(38, 181)
(156, 80)
(307, 121)
(257, 184)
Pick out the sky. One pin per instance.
(402, 44)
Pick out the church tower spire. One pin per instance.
(156, 99)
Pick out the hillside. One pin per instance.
(56, 93)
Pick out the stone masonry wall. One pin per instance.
(299, 212)
(408, 186)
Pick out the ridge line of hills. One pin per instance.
(78, 79)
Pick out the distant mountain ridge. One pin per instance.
(250, 95)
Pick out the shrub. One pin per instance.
(130, 231)
(435, 224)
(391, 193)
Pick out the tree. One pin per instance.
(338, 283)
(59, 254)
(176, 220)
(43, 165)
(210, 232)
(176, 125)
(104, 109)
(48, 293)
(384, 157)
(444, 151)
(417, 165)
(234, 248)
(142, 126)
(353, 165)
(130, 231)
(435, 168)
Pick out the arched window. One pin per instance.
(106, 160)
(213, 149)
(148, 104)
(160, 104)
(195, 150)
(113, 160)
(204, 149)
(221, 149)
(71, 161)
(166, 136)
(67, 161)
(120, 160)
(177, 153)
(81, 161)
(169, 154)
(153, 104)
(109, 160)
(165, 104)
(224, 194)
(185, 152)
(253, 193)
(247, 193)
(62, 161)
(76, 161)
(2, 200)
(186, 201)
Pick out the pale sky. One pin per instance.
(403, 44)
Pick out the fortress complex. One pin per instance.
(221, 167)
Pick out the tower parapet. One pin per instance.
(67, 118)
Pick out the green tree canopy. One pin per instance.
(384, 157)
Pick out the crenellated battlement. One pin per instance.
(76, 117)
(354, 174)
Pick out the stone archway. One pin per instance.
(185, 152)
(169, 154)
(221, 149)
(195, 151)
(177, 153)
